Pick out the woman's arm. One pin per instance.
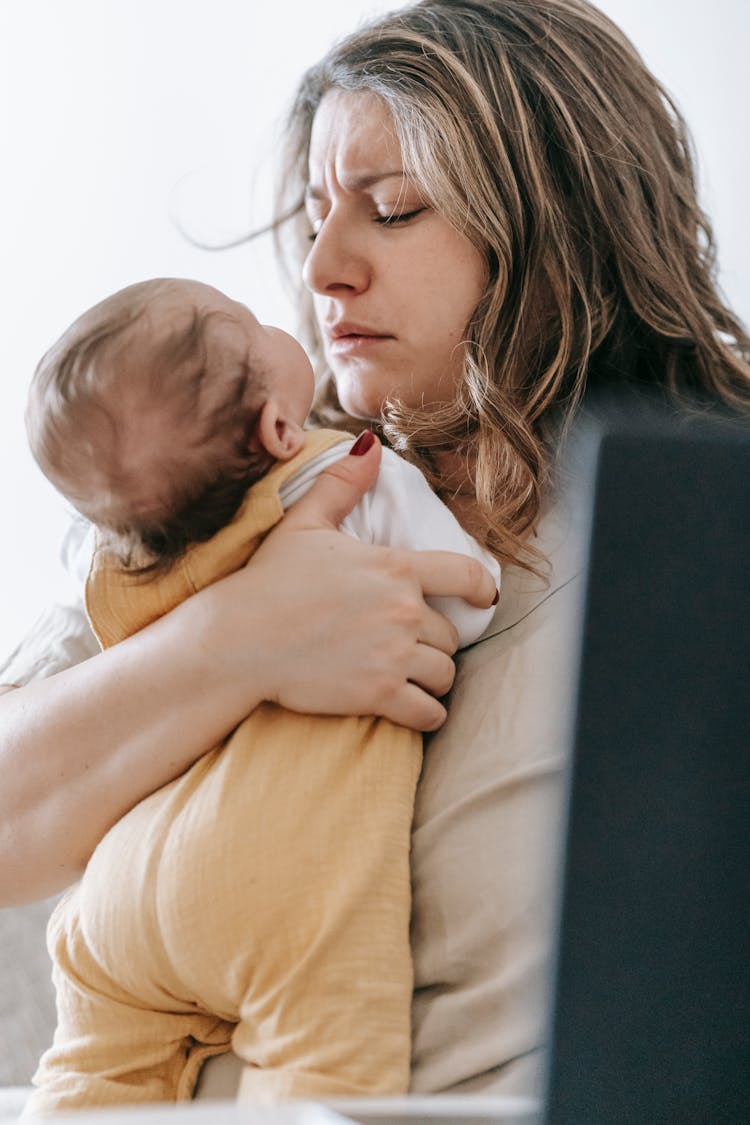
(316, 622)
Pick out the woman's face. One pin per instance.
(394, 284)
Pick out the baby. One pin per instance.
(260, 902)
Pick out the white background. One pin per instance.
(115, 112)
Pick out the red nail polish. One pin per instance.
(496, 598)
(362, 444)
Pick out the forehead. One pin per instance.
(353, 142)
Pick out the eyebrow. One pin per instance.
(356, 183)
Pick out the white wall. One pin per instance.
(108, 104)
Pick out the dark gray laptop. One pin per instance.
(652, 999)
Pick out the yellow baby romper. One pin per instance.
(259, 902)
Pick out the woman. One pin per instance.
(503, 215)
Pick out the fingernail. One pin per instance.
(496, 598)
(362, 444)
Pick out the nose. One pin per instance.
(337, 263)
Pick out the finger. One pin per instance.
(446, 574)
(415, 708)
(336, 491)
(432, 670)
(437, 631)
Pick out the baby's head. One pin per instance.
(159, 407)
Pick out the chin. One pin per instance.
(357, 404)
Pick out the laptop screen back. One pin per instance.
(651, 1002)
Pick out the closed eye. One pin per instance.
(392, 219)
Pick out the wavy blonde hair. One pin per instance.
(536, 129)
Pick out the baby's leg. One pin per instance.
(325, 1000)
(109, 1048)
(270, 884)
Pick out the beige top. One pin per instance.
(485, 842)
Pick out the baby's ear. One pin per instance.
(281, 437)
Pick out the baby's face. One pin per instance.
(287, 371)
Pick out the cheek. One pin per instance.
(453, 281)
(447, 311)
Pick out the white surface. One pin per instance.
(463, 1110)
(12, 1100)
(208, 1113)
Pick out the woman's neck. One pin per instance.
(458, 491)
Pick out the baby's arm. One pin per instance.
(402, 511)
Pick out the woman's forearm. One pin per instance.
(81, 748)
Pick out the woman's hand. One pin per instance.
(348, 630)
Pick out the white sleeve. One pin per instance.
(61, 636)
(401, 510)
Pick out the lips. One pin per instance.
(346, 328)
(346, 336)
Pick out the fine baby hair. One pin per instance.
(142, 415)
